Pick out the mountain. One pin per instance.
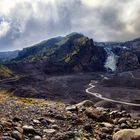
(122, 56)
(72, 53)
(76, 53)
(6, 56)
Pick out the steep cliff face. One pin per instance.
(84, 57)
(128, 61)
(113, 51)
(122, 56)
(72, 53)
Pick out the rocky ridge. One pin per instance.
(126, 55)
(77, 53)
(39, 119)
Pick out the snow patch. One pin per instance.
(111, 60)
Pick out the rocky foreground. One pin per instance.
(33, 119)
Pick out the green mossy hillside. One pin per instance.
(5, 72)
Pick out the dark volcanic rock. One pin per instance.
(7, 138)
(88, 122)
(127, 61)
(72, 53)
(105, 104)
(127, 134)
(77, 53)
(28, 129)
(84, 57)
(17, 135)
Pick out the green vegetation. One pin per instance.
(5, 72)
(4, 94)
(63, 41)
(82, 40)
(56, 49)
(26, 100)
(68, 57)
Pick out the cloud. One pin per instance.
(4, 28)
(24, 22)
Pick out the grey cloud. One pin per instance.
(34, 28)
(110, 17)
(102, 23)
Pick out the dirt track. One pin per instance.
(98, 95)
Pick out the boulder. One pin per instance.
(7, 138)
(127, 134)
(96, 115)
(86, 103)
(72, 108)
(107, 125)
(49, 131)
(105, 104)
(83, 104)
(17, 135)
(28, 129)
(37, 138)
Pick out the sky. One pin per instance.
(27, 22)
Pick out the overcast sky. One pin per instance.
(26, 22)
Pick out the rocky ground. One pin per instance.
(71, 89)
(39, 119)
(66, 88)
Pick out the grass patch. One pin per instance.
(5, 72)
(82, 40)
(4, 94)
(26, 100)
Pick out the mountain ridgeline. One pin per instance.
(6, 56)
(72, 53)
(76, 53)
(125, 56)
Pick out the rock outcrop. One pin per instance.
(128, 61)
(127, 134)
(78, 53)
(5, 72)
(72, 53)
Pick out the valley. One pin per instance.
(62, 68)
(69, 88)
(59, 107)
(74, 88)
